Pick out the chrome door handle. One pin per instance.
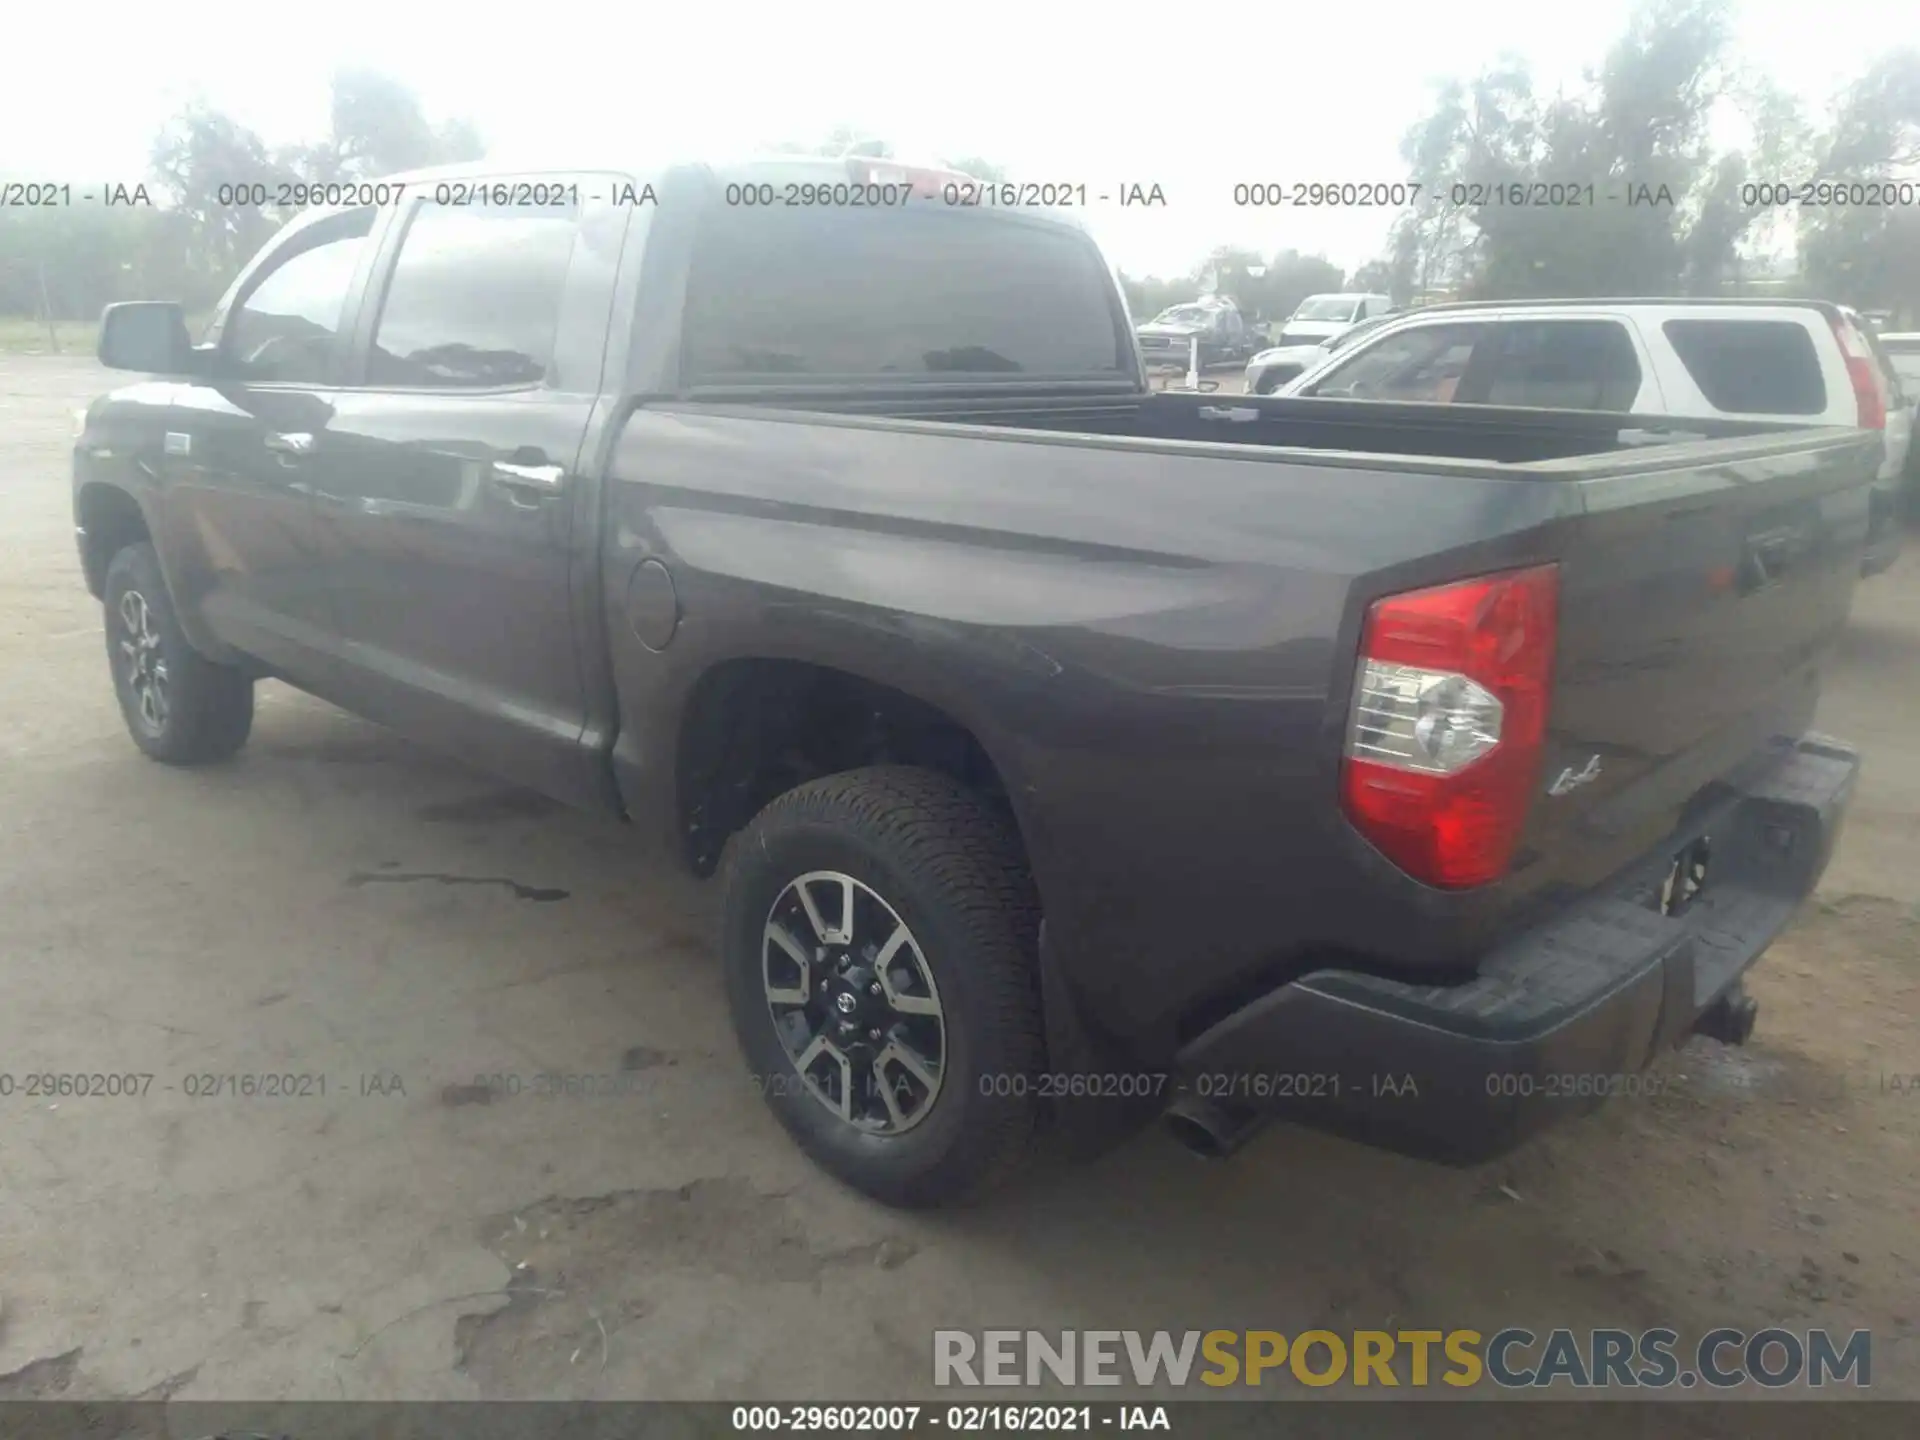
(546, 479)
(297, 444)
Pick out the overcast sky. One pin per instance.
(1194, 97)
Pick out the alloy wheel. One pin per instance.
(854, 1002)
(143, 661)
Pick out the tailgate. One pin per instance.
(1698, 602)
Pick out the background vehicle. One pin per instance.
(1270, 369)
(1061, 746)
(1902, 351)
(1809, 360)
(1215, 321)
(1321, 317)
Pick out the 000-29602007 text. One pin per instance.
(1820, 194)
(1323, 194)
(76, 1085)
(1061, 1086)
(953, 1419)
(299, 194)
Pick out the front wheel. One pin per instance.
(880, 938)
(180, 707)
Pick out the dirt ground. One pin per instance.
(339, 903)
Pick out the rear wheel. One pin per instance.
(880, 930)
(180, 707)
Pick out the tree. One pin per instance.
(209, 175)
(1373, 278)
(1613, 190)
(1782, 145)
(1429, 245)
(1148, 295)
(197, 159)
(1291, 277)
(1864, 253)
(379, 129)
(67, 262)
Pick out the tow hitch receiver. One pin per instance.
(1730, 1018)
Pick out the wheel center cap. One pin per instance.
(846, 1003)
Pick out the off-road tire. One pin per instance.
(949, 865)
(208, 707)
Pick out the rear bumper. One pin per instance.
(1558, 1019)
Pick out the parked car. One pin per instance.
(1063, 748)
(1270, 369)
(1901, 349)
(1736, 359)
(1319, 318)
(1224, 334)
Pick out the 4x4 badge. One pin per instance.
(1571, 779)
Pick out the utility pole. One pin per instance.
(46, 307)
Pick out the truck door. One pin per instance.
(443, 500)
(241, 443)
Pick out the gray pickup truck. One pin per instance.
(1073, 756)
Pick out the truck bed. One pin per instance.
(1141, 606)
(1497, 435)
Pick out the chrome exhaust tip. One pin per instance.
(1211, 1131)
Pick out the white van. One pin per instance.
(1737, 359)
(1319, 318)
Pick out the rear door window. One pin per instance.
(1751, 367)
(835, 293)
(474, 300)
(1560, 365)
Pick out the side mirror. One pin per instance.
(149, 336)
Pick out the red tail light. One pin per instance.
(925, 182)
(1449, 718)
(1869, 386)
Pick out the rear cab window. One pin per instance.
(1751, 366)
(919, 293)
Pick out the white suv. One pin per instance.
(1735, 359)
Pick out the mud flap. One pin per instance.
(1091, 1123)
